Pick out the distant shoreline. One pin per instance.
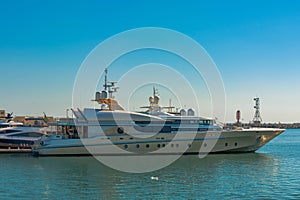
(264, 125)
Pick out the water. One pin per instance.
(271, 173)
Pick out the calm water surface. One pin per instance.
(271, 173)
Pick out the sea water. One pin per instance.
(273, 172)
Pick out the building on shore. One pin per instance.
(35, 121)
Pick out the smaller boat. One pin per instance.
(19, 137)
(4, 124)
(7, 121)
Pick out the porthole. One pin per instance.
(125, 146)
(172, 145)
(120, 130)
(158, 145)
(163, 145)
(131, 138)
(235, 144)
(121, 138)
(137, 146)
(147, 145)
(177, 145)
(226, 144)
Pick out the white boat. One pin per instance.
(7, 121)
(19, 137)
(153, 132)
(4, 124)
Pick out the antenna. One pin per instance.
(109, 86)
(257, 118)
(105, 80)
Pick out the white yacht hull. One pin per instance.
(234, 141)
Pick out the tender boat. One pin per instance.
(112, 131)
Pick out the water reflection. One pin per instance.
(221, 174)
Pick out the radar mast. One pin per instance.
(257, 118)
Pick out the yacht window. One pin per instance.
(142, 122)
(12, 131)
(205, 122)
(163, 145)
(30, 134)
(202, 129)
(120, 130)
(165, 129)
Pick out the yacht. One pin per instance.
(7, 121)
(112, 131)
(19, 137)
(4, 124)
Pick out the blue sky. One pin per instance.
(255, 45)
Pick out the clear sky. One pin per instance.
(255, 45)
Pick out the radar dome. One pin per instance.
(151, 99)
(190, 112)
(97, 96)
(182, 112)
(156, 99)
(103, 94)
